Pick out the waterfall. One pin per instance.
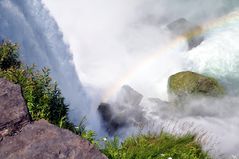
(107, 44)
(28, 23)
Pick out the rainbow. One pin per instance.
(173, 45)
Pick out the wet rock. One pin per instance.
(105, 111)
(41, 140)
(182, 27)
(111, 121)
(116, 123)
(129, 96)
(158, 101)
(122, 112)
(13, 110)
(190, 84)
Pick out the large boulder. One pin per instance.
(110, 120)
(41, 140)
(188, 84)
(22, 138)
(123, 111)
(13, 110)
(192, 32)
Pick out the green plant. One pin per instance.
(9, 55)
(89, 135)
(155, 146)
(42, 95)
(112, 148)
(81, 128)
(43, 98)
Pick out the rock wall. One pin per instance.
(22, 138)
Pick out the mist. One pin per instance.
(94, 47)
(110, 41)
(110, 38)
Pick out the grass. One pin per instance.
(156, 146)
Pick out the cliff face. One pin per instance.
(13, 110)
(21, 138)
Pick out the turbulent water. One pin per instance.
(112, 43)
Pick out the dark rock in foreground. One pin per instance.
(182, 27)
(20, 139)
(13, 110)
(41, 140)
(191, 84)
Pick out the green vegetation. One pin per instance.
(89, 135)
(153, 146)
(9, 55)
(43, 97)
(44, 100)
(188, 83)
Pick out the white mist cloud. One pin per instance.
(109, 38)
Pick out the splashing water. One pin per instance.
(107, 39)
(218, 55)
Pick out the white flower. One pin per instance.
(170, 158)
(104, 139)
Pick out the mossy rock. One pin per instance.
(184, 84)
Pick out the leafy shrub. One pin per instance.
(152, 146)
(9, 55)
(43, 97)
